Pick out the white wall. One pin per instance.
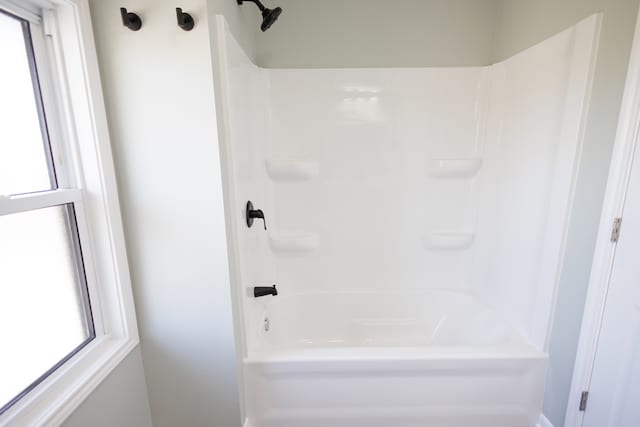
(120, 400)
(523, 22)
(371, 134)
(532, 152)
(159, 95)
(378, 33)
(373, 141)
(246, 147)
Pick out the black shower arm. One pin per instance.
(257, 2)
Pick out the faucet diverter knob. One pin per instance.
(252, 214)
(261, 291)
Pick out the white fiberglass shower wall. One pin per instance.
(416, 221)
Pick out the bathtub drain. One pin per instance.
(266, 324)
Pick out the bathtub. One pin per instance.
(379, 359)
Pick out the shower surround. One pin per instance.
(416, 227)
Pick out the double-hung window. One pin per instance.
(66, 314)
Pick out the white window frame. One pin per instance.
(77, 124)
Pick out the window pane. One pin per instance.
(44, 310)
(24, 146)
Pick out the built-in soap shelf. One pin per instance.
(294, 242)
(448, 240)
(292, 170)
(454, 168)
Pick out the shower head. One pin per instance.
(269, 16)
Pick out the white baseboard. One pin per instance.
(544, 422)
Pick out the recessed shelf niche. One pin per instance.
(294, 242)
(292, 170)
(454, 168)
(448, 240)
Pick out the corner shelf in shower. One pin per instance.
(448, 241)
(454, 168)
(294, 242)
(292, 170)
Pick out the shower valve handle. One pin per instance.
(252, 214)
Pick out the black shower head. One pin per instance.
(269, 16)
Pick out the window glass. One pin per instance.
(24, 148)
(44, 313)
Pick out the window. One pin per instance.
(66, 310)
(45, 314)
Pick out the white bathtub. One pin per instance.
(434, 359)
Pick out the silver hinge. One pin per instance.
(615, 231)
(583, 400)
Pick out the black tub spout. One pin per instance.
(261, 291)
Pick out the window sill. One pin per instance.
(52, 401)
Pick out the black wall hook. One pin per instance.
(130, 20)
(185, 21)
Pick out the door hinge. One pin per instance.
(583, 400)
(615, 230)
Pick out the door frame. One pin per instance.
(625, 146)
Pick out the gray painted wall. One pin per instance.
(376, 33)
(159, 96)
(120, 400)
(158, 88)
(523, 23)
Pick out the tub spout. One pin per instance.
(261, 291)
